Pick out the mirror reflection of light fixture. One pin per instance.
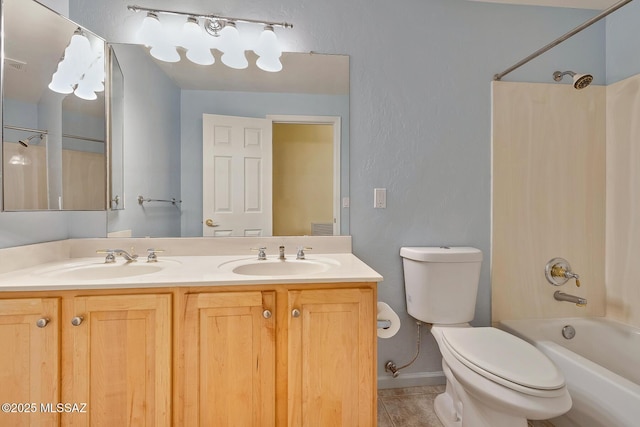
(81, 69)
(198, 46)
(19, 160)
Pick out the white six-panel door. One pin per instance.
(236, 199)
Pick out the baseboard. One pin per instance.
(411, 380)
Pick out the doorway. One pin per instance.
(306, 175)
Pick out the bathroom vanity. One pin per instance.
(189, 342)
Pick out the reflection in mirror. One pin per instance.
(53, 143)
(165, 150)
(115, 171)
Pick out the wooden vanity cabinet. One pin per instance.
(288, 355)
(229, 347)
(119, 353)
(29, 360)
(105, 357)
(285, 355)
(331, 343)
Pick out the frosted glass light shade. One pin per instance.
(165, 52)
(232, 49)
(271, 64)
(268, 44)
(151, 30)
(192, 35)
(60, 84)
(193, 39)
(84, 91)
(200, 55)
(269, 51)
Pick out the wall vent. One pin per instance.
(16, 65)
(321, 229)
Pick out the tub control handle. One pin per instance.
(558, 272)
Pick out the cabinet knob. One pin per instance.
(295, 312)
(76, 321)
(41, 323)
(267, 314)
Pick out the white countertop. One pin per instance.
(181, 271)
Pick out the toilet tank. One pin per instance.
(441, 283)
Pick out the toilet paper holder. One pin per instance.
(384, 324)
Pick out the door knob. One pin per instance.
(209, 223)
(266, 314)
(76, 321)
(41, 323)
(295, 312)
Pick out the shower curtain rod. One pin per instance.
(560, 39)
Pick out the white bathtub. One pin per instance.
(601, 365)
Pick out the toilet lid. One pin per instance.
(492, 352)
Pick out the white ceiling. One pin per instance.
(576, 4)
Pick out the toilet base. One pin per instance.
(445, 410)
(457, 408)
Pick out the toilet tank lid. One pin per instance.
(442, 254)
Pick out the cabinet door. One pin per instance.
(229, 359)
(29, 369)
(332, 355)
(121, 360)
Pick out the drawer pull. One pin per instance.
(267, 314)
(295, 312)
(76, 321)
(41, 323)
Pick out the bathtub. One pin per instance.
(601, 366)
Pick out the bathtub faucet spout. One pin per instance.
(561, 296)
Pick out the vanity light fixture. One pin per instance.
(81, 69)
(224, 36)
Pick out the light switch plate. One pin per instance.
(380, 198)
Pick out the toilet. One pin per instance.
(494, 379)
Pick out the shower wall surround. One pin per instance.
(548, 197)
(623, 201)
(566, 167)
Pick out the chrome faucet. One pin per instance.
(301, 250)
(152, 254)
(561, 296)
(112, 253)
(262, 255)
(282, 257)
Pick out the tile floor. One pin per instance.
(408, 407)
(413, 407)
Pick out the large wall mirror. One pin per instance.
(150, 174)
(166, 185)
(53, 143)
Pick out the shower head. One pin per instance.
(25, 142)
(580, 81)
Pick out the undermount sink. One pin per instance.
(97, 270)
(278, 267)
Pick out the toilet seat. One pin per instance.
(504, 359)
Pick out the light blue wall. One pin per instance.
(247, 104)
(623, 43)
(420, 114)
